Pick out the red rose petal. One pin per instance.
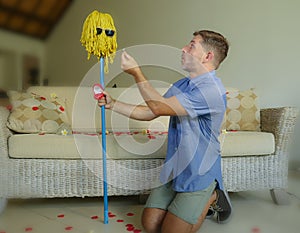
(61, 108)
(9, 107)
(129, 225)
(255, 230)
(130, 228)
(61, 216)
(69, 228)
(130, 214)
(43, 98)
(137, 231)
(28, 229)
(94, 217)
(118, 220)
(111, 215)
(35, 108)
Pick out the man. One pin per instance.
(191, 178)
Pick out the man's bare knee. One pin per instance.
(152, 219)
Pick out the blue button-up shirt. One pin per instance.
(193, 159)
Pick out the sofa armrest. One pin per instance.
(281, 122)
(4, 133)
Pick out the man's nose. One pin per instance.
(184, 49)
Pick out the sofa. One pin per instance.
(56, 150)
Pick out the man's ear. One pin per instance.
(209, 56)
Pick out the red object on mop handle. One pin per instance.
(98, 91)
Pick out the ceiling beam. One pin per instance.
(13, 11)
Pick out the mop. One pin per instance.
(99, 38)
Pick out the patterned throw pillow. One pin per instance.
(32, 113)
(242, 111)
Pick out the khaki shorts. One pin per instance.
(187, 206)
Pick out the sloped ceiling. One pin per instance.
(34, 18)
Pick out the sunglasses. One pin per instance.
(108, 32)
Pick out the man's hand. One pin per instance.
(129, 65)
(106, 101)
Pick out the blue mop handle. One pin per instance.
(103, 127)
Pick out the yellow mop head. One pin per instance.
(99, 36)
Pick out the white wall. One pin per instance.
(12, 49)
(7, 74)
(263, 34)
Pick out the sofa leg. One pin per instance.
(280, 196)
(3, 202)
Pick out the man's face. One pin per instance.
(193, 55)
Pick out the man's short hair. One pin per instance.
(213, 41)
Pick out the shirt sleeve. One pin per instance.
(202, 101)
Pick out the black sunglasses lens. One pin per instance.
(99, 31)
(109, 32)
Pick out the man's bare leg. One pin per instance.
(161, 221)
(152, 219)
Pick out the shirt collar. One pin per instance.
(203, 77)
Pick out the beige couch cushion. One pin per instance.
(128, 146)
(245, 143)
(88, 146)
